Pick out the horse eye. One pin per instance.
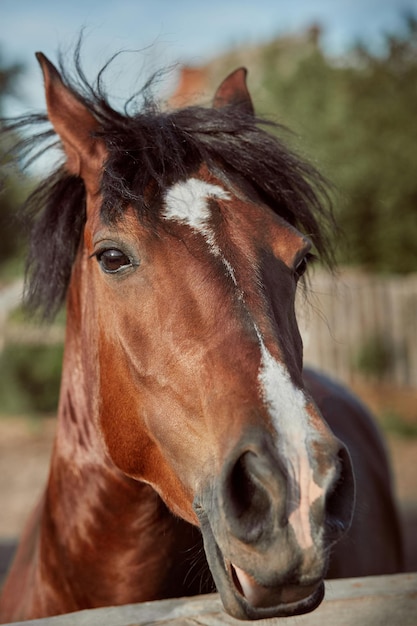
(301, 268)
(113, 260)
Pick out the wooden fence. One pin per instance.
(357, 325)
(371, 601)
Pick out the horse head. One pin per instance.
(182, 294)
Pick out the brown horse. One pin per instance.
(178, 239)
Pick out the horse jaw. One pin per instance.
(244, 597)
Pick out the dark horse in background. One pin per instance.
(185, 417)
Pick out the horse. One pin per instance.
(193, 452)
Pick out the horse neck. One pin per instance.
(97, 537)
(95, 517)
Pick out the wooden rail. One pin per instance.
(371, 601)
(355, 324)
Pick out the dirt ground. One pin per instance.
(25, 447)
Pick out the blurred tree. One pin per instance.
(8, 78)
(13, 183)
(359, 120)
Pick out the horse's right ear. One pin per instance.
(234, 91)
(74, 124)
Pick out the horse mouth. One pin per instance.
(255, 601)
(246, 598)
(260, 597)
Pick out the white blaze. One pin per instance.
(289, 414)
(186, 203)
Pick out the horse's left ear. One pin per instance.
(234, 91)
(74, 124)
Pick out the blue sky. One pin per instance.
(189, 31)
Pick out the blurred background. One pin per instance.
(342, 75)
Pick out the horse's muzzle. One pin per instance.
(260, 567)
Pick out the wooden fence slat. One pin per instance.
(371, 601)
(351, 310)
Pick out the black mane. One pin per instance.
(152, 146)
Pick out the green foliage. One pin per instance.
(30, 378)
(8, 80)
(358, 120)
(13, 183)
(12, 188)
(394, 423)
(375, 357)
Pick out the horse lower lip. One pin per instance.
(254, 593)
(259, 596)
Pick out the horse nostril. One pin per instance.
(246, 499)
(340, 501)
